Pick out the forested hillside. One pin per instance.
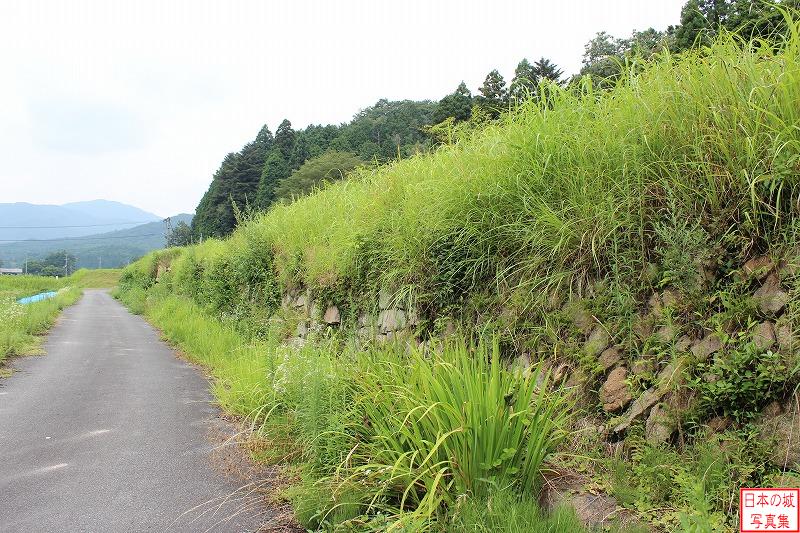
(109, 249)
(249, 178)
(256, 176)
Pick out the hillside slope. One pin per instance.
(111, 249)
(642, 244)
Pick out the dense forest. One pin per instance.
(259, 173)
(290, 163)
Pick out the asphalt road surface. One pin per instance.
(111, 432)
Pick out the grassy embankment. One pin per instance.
(670, 180)
(21, 326)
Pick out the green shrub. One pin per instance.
(692, 489)
(316, 172)
(684, 252)
(741, 380)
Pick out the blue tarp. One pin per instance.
(37, 297)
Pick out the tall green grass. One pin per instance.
(382, 436)
(546, 201)
(22, 325)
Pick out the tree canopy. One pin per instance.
(60, 263)
(181, 235)
(330, 166)
(493, 94)
(249, 179)
(456, 105)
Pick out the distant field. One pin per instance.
(95, 279)
(21, 326)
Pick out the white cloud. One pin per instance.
(140, 101)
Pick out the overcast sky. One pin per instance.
(139, 101)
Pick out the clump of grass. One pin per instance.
(503, 511)
(21, 326)
(449, 424)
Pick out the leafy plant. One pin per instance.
(450, 424)
(740, 381)
(684, 251)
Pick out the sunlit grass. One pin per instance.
(553, 196)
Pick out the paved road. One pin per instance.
(110, 432)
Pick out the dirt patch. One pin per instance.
(260, 485)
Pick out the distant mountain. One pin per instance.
(20, 221)
(109, 249)
(111, 211)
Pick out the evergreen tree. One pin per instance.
(525, 83)
(278, 164)
(457, 105)
(236, 181)
(701, 20)
(276, 169)
(264, 137)
(544, 69)
(300, 152)
(494, 95)
(285, 139)
(319, 138)
(760, 19)
(212, 217)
